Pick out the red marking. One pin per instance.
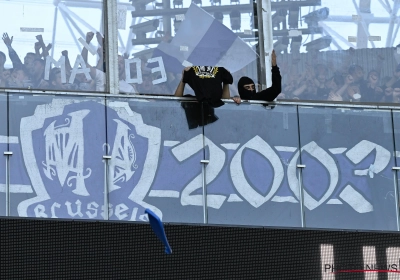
(365, 270)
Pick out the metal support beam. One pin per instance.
(111, 29)
(243, 8)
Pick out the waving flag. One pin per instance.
(203, 40)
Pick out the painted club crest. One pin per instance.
(63, 144)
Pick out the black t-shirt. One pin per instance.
(206, 81)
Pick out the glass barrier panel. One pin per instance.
(52, 45)
(348, 179)
(396, 129)
(57, 168)
(156, 147)
(4, 144)
(338, 50)
(251, 149)
(157, 39)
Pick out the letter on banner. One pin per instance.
(160, 68)
(239, 179)
(327, 161)
(217, 160)
(362, 150)
(60, 63)
(76, 70)
(138, 79)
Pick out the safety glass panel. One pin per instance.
(252, 153)
(57, 168)
(52, 45)
(347, 179)
(157, 39)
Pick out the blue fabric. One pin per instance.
(158, 228)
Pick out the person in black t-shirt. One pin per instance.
(246, 86)
(210, 83)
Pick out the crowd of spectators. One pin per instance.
(31, 72)
(317, 82)
(349, 83)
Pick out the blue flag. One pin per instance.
(158, 228)
(212, 44)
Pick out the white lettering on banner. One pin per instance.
(64, 142)
(362, 150)
(138, 64)
(217, 160)
(78, 208)
(53, 209)
(239, 179)
(123, 153)
(160, 69)
(327, 161)
(40, 211)
(92, 206)
(138, 80)
(60, 63)
(119, 209)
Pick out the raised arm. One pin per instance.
(16, 61)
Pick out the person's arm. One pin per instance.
(181, 86)
(272, 92)
(16, 61)
(179, 89)
(226, 94)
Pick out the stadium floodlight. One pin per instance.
(295, 44)
(219, 16)
(215, 2)
(140, 4)
(281, 46)
(278, 18)
(178, 3)
(177, 24)
(236, 21)
(313, 18)
(293, 19)
(319, 44)
(141, 29)
(254, 18)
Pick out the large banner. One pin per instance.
(150, 153)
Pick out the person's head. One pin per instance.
(55, 77)
(147, 85)
(29, 59)
(373, 77)
(3, 59)
(38, 66)
(6, 74)
(246, 86)
(397, 71)
(321, 72)
(396, 89)
(19, 75)
(335, 82)
(357, 72)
